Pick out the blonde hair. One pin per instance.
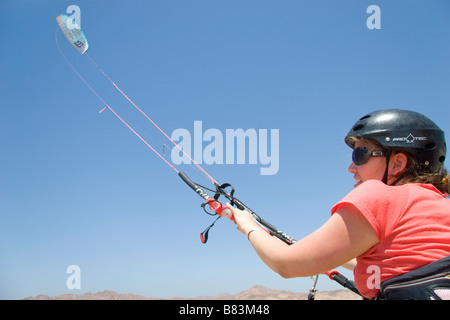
(416, 172)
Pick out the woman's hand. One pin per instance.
(244, 220)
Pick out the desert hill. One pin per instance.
(253, 293)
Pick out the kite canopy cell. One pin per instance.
(73, 33)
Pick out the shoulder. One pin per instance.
(375, 192)
(380, 204)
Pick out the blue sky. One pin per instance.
(78, 188)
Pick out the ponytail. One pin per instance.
(418, 173)
(445, 185)
(439, 180)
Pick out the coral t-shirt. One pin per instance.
(412, 223)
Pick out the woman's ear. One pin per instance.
(398, 164)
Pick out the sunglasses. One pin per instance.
(361, 155)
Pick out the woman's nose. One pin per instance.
(352, 169)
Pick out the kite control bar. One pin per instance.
(213, 203)
(224, 211)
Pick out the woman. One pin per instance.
(397, 219)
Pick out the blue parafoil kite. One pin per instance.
(73, 33)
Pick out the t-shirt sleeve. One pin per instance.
(377, 202)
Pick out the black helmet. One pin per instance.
(404, 130)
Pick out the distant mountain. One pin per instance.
(254, 293)
(104, 295)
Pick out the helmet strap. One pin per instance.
(388, 156)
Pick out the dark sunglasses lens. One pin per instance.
(360, 155)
